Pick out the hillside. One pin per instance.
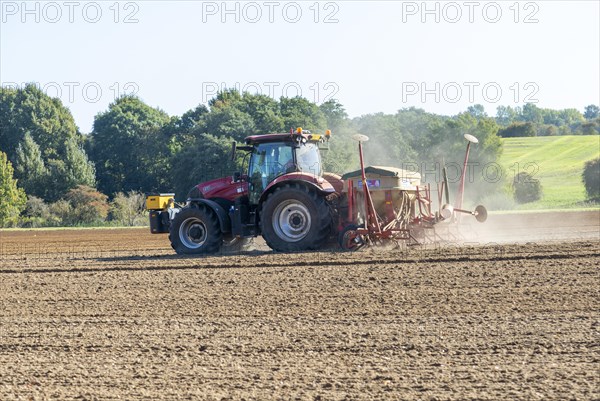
(557, 162)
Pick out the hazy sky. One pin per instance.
(370, 55)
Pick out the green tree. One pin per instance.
(591, 127)
(526, 188)
(60, 213)
(80, 170)
(518, 129)
(36, 207)
(532, 114)
(191, 118)
(416, 140)
(225, 97)
(335, 114)
(448, 149)
(264, 112)
(29, 110)
(570, 117)
(178, 129)
(12, 198)
(552, 117)
(129, 147)
(300, 112)
(202, 158)
(36, 213)
(341, 155)
(424, 131)
(591, 112)
(505, 115)
(238, 115)
(591, 179)
(71, 170)
(30, 169)
(226, 120)
(387, 145)
(547, 130)
(448, 142)
(477, 111)
(87, 205)
(128, 209)
(42, 141)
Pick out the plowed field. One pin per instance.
(114, 314)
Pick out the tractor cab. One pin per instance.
(282, 166)
(271, 160)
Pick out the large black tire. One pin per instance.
(195, 230)
(295, 218)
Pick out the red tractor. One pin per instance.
(287, 198)
(283, 197)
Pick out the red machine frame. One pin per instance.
(411, 224)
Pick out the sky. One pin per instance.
(372, 56)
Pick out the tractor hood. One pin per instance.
(225, 188)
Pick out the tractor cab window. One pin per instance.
(268, 161)
(308, 159)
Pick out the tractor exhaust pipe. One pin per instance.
(233, 150)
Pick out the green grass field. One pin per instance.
(557, 162)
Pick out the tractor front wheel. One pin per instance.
(195, 230)
(295, 218)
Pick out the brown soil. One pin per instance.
(114, 314)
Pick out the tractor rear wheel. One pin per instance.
(195, 230)
(295, 218)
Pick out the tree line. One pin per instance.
(52, 174)
(531, 120)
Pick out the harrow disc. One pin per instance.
(349, 239)
(480, 213)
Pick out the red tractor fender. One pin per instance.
(220, 212)
(315, 182)
(335, 180)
